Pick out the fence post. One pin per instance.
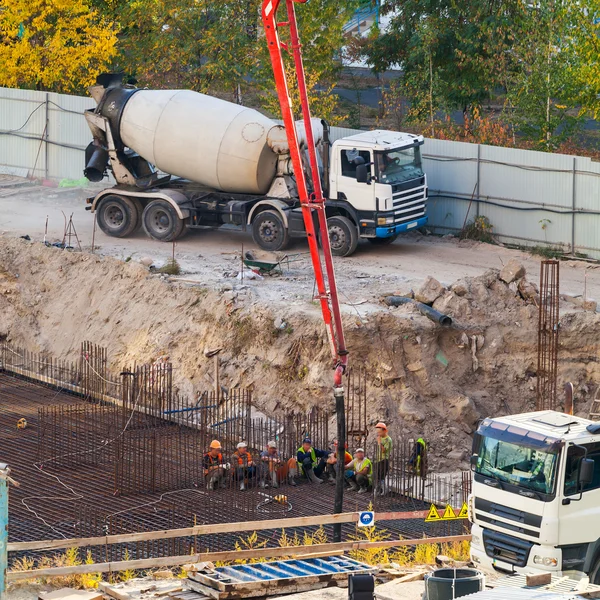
(4, 473)
(478, 178)
(573, 204)
(47, 144)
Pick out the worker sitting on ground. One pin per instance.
(214, 469)
(332, 461)
(417, 460)
(382, 460)
(360, 472)
(274, 469)
(311, 461)
(243, 465)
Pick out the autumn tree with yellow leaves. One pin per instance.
(54, 45)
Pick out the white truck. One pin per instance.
(225, 164)
(535, 503)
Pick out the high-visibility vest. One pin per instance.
(313, 456)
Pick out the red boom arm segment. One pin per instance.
(326, 285)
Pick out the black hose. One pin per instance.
(431, 313)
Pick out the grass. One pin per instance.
(545, 251)
(171, 267)
(479, 229)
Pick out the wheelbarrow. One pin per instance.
(266, 262)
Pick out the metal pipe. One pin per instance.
(431, 313)
(338, 503)
(4, 473)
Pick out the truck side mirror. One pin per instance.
(473, 461)
(362, 174)
(586, 471)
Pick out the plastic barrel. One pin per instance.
(447, 584)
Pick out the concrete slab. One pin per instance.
(394, 590)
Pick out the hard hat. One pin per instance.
(242, 445)
(215, 444)
(360, 450)
(381, 425)
(22, 423)
(271, 445)
(306, 440)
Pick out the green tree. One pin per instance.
(56, 45)
(321, 28)
(555, 77)
(202, 45)
(451, 52)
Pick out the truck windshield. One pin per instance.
(395, 166)
(524, 466)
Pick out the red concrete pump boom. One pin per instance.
(314, 202)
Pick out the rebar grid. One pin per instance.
(97, 457)
(548, 325)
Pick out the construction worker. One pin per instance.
(416, 463)
(332, 461)
(275, 469)
(243, 465)
(214, 469)
(359, 472)
(311, 461)
(382, 459)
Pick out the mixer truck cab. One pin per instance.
(183, 160)
(377, 176)
(535, 503)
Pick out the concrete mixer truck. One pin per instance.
(183, 160)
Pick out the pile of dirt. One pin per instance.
(422, 378)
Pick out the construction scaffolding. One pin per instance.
(548, 331)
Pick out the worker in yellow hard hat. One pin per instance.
(382, 457)
(214, 468)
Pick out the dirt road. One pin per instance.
(213, 257)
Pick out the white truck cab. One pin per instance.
(535, 503)
(380, 175)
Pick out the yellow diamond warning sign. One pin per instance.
(449, 514)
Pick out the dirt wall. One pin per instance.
(422, 378)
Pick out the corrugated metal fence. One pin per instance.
(530, 198)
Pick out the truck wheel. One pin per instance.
(140, 211)
(161, 222)
(595, 573)
(343, 236)
(269, 231)
(117, 215)
(383, 241)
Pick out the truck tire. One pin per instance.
(161, 222)
(269, 231)
(117, 216)
(343, 236)
(595, 572)
(383, 241)
(140, 211)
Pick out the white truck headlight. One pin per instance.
(476, 540)
(545, 560)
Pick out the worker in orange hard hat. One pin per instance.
(214, 468)
(382, 457)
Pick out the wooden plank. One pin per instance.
(207, 530)
(167, 561)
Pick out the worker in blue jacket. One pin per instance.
(311, 461)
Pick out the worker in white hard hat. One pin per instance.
(214, 468)
(274, 469)
(360, 472)
(244, 468)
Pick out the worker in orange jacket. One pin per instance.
(244, 468)
(214, 468)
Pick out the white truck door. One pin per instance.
(579, 520)
(360, 195)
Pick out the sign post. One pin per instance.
(4, 475)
